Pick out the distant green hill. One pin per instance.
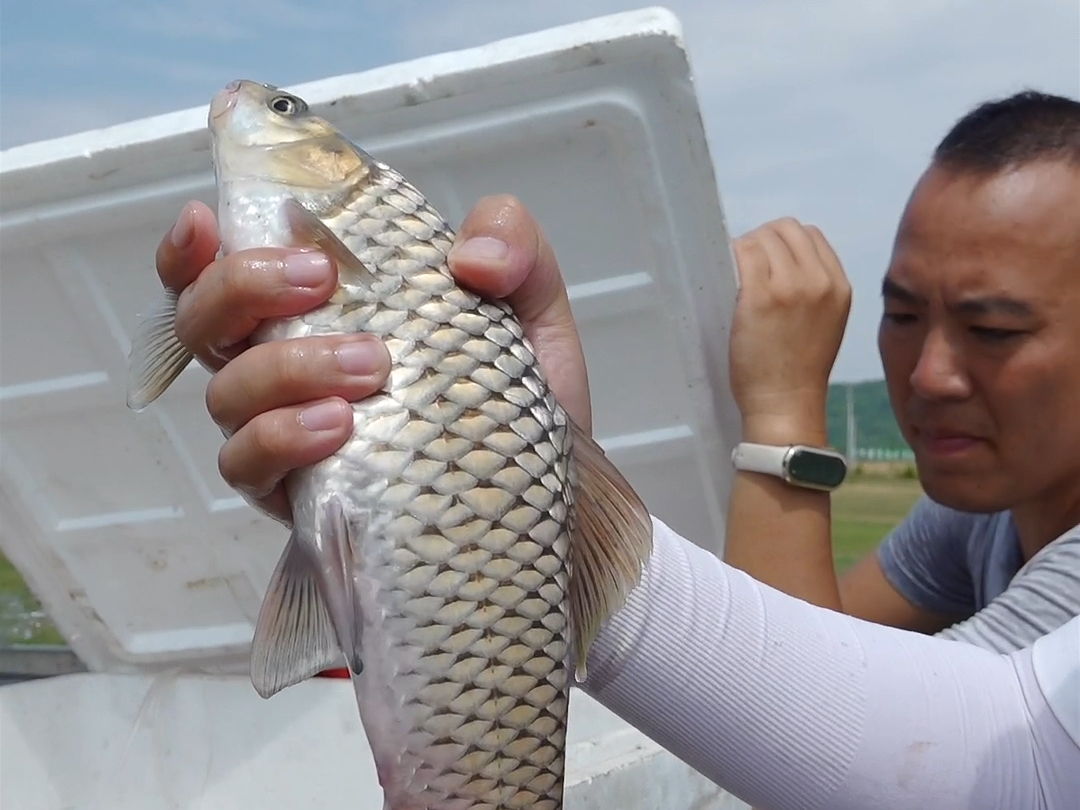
(874, 420)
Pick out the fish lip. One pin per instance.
(225, 100)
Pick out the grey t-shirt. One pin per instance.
(971, 566)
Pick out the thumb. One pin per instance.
(501, 252)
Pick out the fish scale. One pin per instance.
(467, 540)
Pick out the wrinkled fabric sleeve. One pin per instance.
(925, 559)
(794, 707)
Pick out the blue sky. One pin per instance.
(826, 111)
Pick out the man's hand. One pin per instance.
(284, 405)
(793, 306)
(789, 320)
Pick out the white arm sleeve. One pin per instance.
(794, 707)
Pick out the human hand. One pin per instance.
(793, 306)
(283, 405)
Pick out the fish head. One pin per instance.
(262, 132)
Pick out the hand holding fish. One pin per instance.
(283, 404)
(793, 305)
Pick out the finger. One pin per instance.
(290, 372)
(276, 504)
(259, 455)
(501, 252)
(219, 310)
(188, 247)
(829, 260)
(783, 267)
(751, 264)
(811, 274)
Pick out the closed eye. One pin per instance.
(993, 335)
(899, 318)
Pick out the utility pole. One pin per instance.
(851, 448)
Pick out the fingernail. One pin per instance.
(324, 416)
(306, 269)
(481, 248)
(183, 231)
(359, 358)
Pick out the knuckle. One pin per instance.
(290, 361)
(818, 286)
(268, 437)
(784, 228)
(749, 253)
(247, 460)
(234, 281)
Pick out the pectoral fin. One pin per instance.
(611, 539)
(310, 231)
(157, 356)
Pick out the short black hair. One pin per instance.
(1010, 132)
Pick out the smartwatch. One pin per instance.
(796, 464)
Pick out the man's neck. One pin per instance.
(1039, 522)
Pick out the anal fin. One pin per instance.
(310, 231)
(294, 638)
(157, 356)
(611, 540)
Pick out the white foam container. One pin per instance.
(147, 562)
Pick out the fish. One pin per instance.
(464, 547)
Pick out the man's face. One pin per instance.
(980, 337)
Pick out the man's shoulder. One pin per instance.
(936, 517)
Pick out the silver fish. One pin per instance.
(468, 541)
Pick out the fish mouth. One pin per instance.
(225, 100)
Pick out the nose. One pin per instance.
(232, 86)
(939, 373)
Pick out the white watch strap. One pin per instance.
(760, 458)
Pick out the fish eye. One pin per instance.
(287, 105)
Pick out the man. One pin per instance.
(979, 341)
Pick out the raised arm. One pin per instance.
(789, 320)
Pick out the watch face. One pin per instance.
(817, 469)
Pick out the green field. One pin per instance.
(865, 508)
(21, 620)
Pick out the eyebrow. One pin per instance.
(890, 289)
(994, 305)
(978, 305)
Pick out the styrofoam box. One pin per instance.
(143, 557)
